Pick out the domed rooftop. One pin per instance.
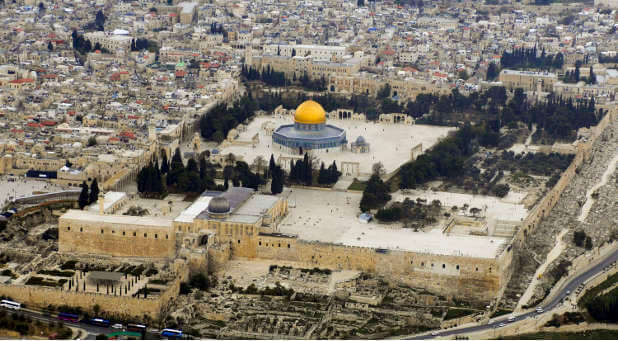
(310, 112)
(360, 140)
(219, 205)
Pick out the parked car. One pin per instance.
(117, 326)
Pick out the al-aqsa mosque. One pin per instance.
(309, 131)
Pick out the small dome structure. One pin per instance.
(360, 140)
(310, 112)
(218, 205)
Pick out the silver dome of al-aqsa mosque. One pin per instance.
(219, 205)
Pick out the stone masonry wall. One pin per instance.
(547, 203)
(463, 277)
(79, 236)
(119, 306)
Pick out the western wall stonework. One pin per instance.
(119, 240)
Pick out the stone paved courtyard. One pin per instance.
(390, 143)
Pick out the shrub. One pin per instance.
(588, 243)
(603, 308)
(457, 313)
(501, 190)
(184, 288)
(69, 265)
(579, 238)
(57, 273)
(199, 281)
(389, 214)
(552, 181)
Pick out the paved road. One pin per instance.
(570, 286)
(93, 331)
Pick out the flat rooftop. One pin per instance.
(390, 144)
(153, 222)
(109, 199)
(246, 206)
(332, 217)
(199, 205)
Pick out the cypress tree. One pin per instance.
(323, 176)
(177, 161)
(165, 165)
(83, 196)
(277, 184)
(203, 168)
(192, 165)
(94, 192)
(271, 165)
(333, 173)
(307, 170)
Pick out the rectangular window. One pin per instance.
(166, 236)
(101, 231)
(156, 236)
(134, 234)
(145, 235)
(113, 231)
(81, 229)
(124, 233)
(68, 228)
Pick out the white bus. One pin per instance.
(10, 304)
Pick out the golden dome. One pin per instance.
(310, 112)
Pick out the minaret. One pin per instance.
(101, 200)
(152, 133)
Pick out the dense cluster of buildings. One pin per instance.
(71, 114)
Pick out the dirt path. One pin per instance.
(553, 254)
(611, 168)
(529, 139)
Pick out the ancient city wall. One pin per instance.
(462, 277)
(95, 237)
(543, 208)
(41, 297)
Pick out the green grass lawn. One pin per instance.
(358, 185)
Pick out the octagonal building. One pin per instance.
(309, 131)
